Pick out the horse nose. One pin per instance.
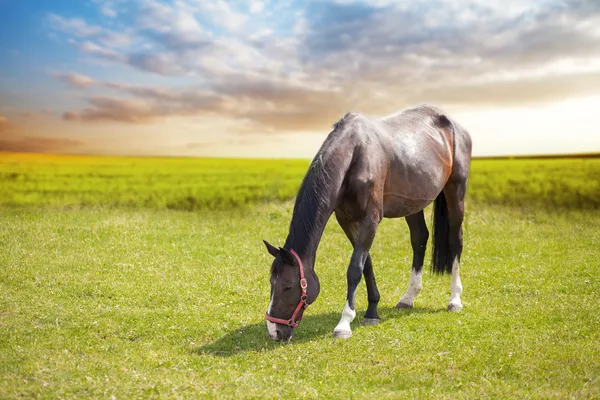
(284, 333)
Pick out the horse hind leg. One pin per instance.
(418, 238)
(455, 194)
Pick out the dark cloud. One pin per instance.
(36, 144)
(115, 109)
(12, 139)
(150, 104)
(158, 63)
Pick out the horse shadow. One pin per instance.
(254, 337)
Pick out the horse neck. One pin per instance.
(314, 203)
(306, 229)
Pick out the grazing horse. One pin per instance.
(365, 170)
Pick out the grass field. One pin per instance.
(135, 300)
(197, 184)
(158, 183)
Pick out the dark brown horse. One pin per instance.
(368, 169)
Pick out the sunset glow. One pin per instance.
(269, 78)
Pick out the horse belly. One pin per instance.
(412, 186)
(396, 207)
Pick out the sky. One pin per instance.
(269, 78)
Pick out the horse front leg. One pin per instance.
(351, 229)
(360, 255)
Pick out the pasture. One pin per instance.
(147, 278)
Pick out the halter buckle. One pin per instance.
(303, 283)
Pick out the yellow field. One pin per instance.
(205, 183)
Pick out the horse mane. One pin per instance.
(313, 193)
(340, 123)
(313, 207)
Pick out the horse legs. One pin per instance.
(351, 230)
(455, 195)
(418, 239)
(364, 238)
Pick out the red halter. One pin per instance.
(293, 322)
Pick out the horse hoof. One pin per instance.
(371, 321)
(403, 306)
(452, 307)
(342, 334)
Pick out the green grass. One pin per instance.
(96, 303)
(108, 288)
(563, 182)
(198, 184)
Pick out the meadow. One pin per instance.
(140, 278)
(199, 184)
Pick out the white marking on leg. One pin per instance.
(414, 287)
(271, 326)
(343, 327)
(455, 289)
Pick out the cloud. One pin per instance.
(109, 12)
(32, 115)
(148, 104)
(220, 13)
(12, 139)
(107, 108)
(115, 40)
(93, 49)
(158, 63)
(74, 79)
(5, 124)
(73, 26)
(300, 67)
(256, 7)
(37, 144)
(78, 27)
(174, 27)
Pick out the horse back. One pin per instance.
(403, 161)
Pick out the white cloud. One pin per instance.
(109, 12)
(74, 79)
(116, 40)
(100, 52)
(256, 6)
(77, 27)
(176, 25)
(73, 26)
(220, 13)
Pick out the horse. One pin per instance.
(365, 170)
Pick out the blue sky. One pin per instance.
(268, 78)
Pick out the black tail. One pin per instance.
(442, 255)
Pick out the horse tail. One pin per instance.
(442, 257)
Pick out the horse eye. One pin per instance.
(287, 288)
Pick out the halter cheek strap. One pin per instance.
(293, 322)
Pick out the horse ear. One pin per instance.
(274, 251)
(288, 257)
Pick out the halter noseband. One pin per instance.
(293, 322)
